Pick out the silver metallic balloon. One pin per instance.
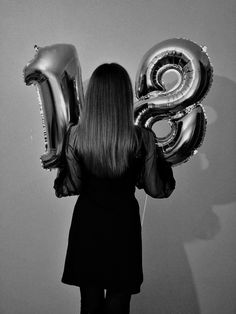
(187, 131)
(190, 63)
(56, 73)
(180, 104)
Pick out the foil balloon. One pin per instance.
(56, 73)
(180, 103)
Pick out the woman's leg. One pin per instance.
(117, 302)
(92, 300)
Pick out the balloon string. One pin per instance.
(144, 209)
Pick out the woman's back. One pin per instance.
(105, 233)
(101, 187)
(105, 245)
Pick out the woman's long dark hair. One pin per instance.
(106, 130)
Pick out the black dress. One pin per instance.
(105, 244)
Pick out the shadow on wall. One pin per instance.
(206, 180)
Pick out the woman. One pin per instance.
(106, 157)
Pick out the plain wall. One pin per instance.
(189, 239)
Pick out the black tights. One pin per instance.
(94, 301)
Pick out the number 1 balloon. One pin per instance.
(179, 105)
(56, 73)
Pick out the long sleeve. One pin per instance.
(69, 178)
(157, 176)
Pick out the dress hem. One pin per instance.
(78, 284)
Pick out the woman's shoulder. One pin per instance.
(146, 141)
(72, 133)
(74, 129)
(144, 131)
(145, 135)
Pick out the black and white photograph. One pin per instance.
(118, 172)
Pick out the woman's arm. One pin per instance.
(156, 178)
(69, 179)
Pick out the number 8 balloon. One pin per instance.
(179, 105)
